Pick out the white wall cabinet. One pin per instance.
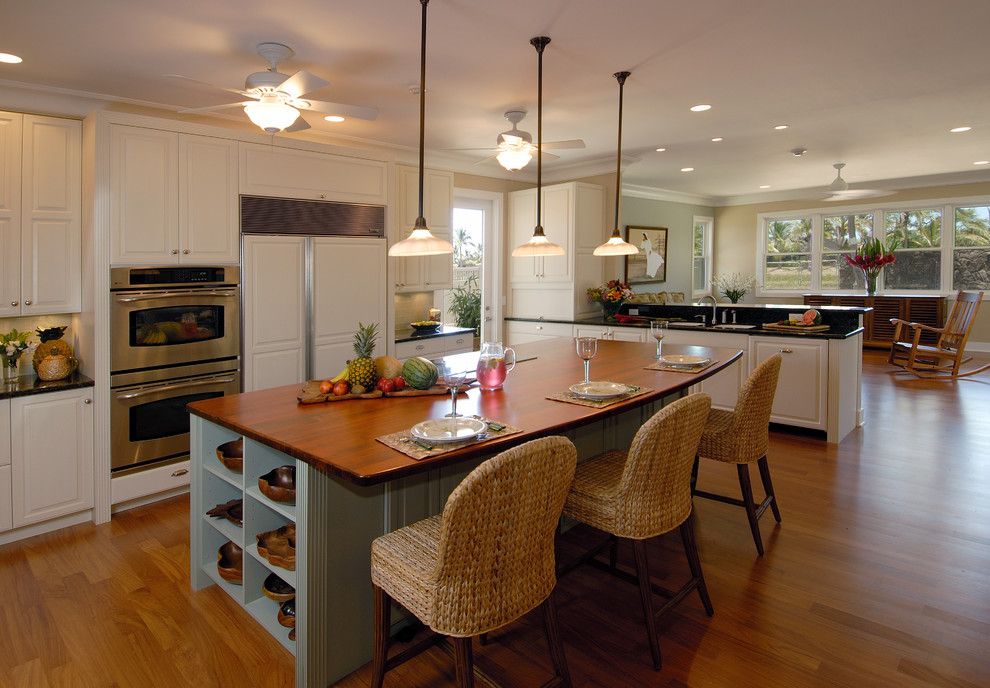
(429, 273)
(40, 214)
(173, 198)
(6, 511)
(802, 390)
(51, 448)
(573, 215)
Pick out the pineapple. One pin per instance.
(361, 370)
(51, 344)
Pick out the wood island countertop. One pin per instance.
(338, 438)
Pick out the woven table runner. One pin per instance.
(569, 398)
(420, 449)
(660, 365)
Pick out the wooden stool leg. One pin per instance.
(646, 596)
(383, 623)
(747, 495)
(552, 628)
(768, 486)
(464, 662)
(694, 561)
(483, 639)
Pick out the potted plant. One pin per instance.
(12, 345)
(872, 256)
(465, 304)
(611, 296)
(733, 286)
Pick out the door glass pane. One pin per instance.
(973, 226)
(463, 302)
(914, 228)
(789, 236)
(173, 325)
(845, 232)
(787, 271)
(164, 417)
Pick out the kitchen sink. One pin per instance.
(685, 324)
(731, 326)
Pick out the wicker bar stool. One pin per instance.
(643, 493)
(484, 562)
(741, 437)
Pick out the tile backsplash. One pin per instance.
(414, 306)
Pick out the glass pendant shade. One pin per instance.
(538, 245)
(515, 157)
(616, 246)
(270, 114)
(421, 242)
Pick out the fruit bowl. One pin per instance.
(231, 455)
(426, 326)
(279, 484)
(230, 563)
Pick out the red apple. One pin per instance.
(400, 383)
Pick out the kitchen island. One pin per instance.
(350, 488)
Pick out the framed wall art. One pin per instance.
(649, 266)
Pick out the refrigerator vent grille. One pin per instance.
(265, 215)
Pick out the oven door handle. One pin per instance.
(169, 388)
(173, 294)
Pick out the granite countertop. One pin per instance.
(407, 334)
(26, 385)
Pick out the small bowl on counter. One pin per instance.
(279, 484)
(426, 326)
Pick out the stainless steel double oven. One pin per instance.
(174, 339)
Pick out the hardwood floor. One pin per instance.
(878, 576)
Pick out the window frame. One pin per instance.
(706, 247)
(948, 244)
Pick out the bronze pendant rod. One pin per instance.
(621, 78)
(421, 220)
(540, 42)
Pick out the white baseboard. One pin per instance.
(978, 347)
(46, 527)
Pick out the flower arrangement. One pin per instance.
(872, 256)
(611, 296)
(12, 345)
(733, 286)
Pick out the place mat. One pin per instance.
(569, 398)
(660, 365)
(418, 449)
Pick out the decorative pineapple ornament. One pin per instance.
(53, 346)
(361, 369)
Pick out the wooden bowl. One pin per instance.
(287, 613)
(279, 546)
(277, 589)
(230, 563)
(231, 455)
(279, 484)
(233, 511)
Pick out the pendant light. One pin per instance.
(421, 241)
(616, 246)
(539, 245)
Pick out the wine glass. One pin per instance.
(587, 347)
(451, 377)
(658, 328)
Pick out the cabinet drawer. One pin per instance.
(5, 433)
(458, 343)
(6, 511)
(420, 347)
(802, 389)
(517, 332)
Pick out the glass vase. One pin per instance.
(871, 283)
(9, 365)
(610, 309)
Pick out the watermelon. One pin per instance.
(419, 373)
(811, 317)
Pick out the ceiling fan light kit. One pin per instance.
(271, 114)
(616, 245)
(421, 241)
(539, 244)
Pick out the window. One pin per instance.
(787, 262)
(701, 269)
(971, 257)
(840, 236)
(918, 233)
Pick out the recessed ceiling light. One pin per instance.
(959, 130)
(764, 186)
(717, 139)
(687, 169)
(780, 127)
(334, 118)
(982, 162)
(700, 108)
(661, 150)
(798, 152)
(10, 59)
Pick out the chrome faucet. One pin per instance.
(714, 305)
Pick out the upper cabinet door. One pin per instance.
(51, 224)
(10, 213)
(290, 173)
(208, 213)
(558, 224)
(143, 196)
(429, 272)
(522, 221)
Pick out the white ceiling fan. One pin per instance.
(277, 98)
(514, 148)
(839, 189)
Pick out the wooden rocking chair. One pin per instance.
(945, 358)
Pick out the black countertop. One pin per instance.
(27, 385)
(410, 335)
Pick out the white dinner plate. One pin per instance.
(679, 361)
(599, 390)
(449, 429)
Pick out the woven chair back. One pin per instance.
(654, 494)
(496, 555)
(751, 420)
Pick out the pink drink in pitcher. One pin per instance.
(492, 367)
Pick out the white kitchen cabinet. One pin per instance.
(558, 225)
(522, 332)
(6, 508)
(289, 173)
(802, 389)
(428, 273)
(173, 198)
(5, 432)
(427, 348)
(40, 214)
(51, 469)
(611, 333)
(458, 344)
(349, 285)
(274, 288)
(209, 216)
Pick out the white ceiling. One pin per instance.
(874, 83)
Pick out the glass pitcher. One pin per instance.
(492, 364)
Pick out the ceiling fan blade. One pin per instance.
(563, 145)
(302, 82)
(211, 108)
(487, 148)
(299, 125)
(549, 156)
(511, 139)
(484, 160)
(342, 109)
(856, 194)
(206, 84)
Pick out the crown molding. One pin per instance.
(655, 194)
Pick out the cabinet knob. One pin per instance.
(27, 302)
(87, 401)
(323, 196)
(786, 351)
(539, 327)
(174, 251)
(185, 252)
(460, 341)
(13, 303)
(420, 347)
(180, 472)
